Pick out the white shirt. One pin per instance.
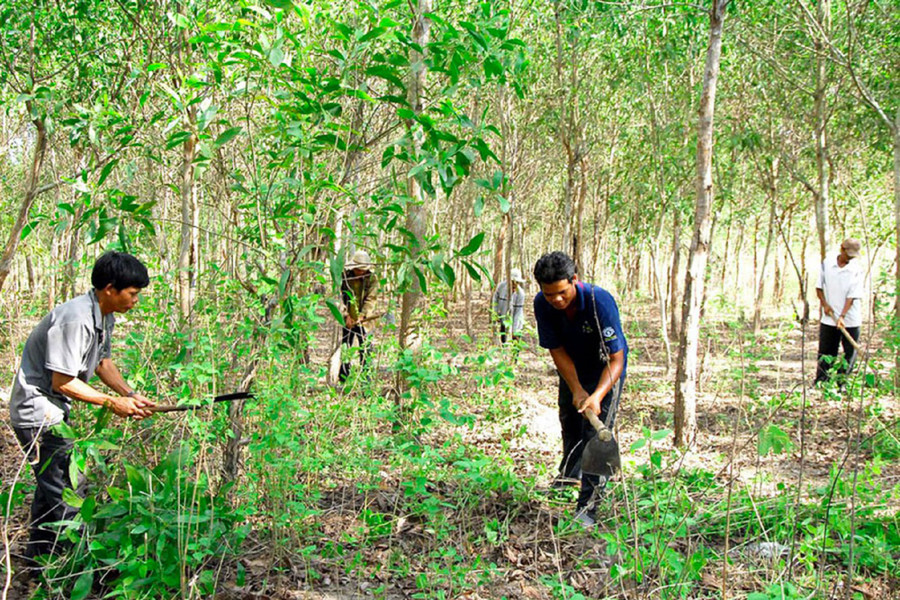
(502, 305)
(838, 284)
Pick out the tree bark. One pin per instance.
(770, 238)
(187, 248)
(686, 377)
(415, 216)
(822, 170)
(896, 133)
(673, 275)
(31, 180)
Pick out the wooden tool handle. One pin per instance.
(850, 338)
(603, 431)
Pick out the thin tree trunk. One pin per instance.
(186, 248)
(822, 169)
(725, 255)
(897, 244)
(770, 238)
(415, 217)
(738, 248)
(673, 276)
(32, 176)
(686, 377)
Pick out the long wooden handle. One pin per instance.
(850, 338)
(603, 431)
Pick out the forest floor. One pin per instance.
(503, 543)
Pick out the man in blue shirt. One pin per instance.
(579, 324)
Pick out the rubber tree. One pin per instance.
(686, 373)
(415, 216)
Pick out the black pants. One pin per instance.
(351, 336)
(503, 329)
(577, 431)
(49, 455)
(830, 340)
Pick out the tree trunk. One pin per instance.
(897, 246)
(673, 275)
(31, 180)
(770, 238)
(187, 247)
(822, 169)
(686, 377)
(415, 216)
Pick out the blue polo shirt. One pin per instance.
(580, 336)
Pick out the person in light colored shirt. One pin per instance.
(70, 345)
(840, 292)
(509, 305)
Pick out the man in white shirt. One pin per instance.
(840, 291)
(509, 305)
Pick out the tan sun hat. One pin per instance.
(359, 260)
(851, 246)
(516, 275)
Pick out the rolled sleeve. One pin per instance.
(66, 348)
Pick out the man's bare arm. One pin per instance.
(78, 390)
(610, 375)
(566, 368)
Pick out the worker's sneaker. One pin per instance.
(585, 518)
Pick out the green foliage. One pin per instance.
(156, 533)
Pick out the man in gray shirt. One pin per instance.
(68, 346)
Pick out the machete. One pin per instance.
(164, 408)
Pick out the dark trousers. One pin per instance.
(49, 455)
(830, 341)
(354, 336)
(577, 431)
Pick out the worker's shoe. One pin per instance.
(585, 517)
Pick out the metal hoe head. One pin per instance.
(601, 455)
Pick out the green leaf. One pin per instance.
(336, 312)
(473, 272)
(29, 228)
(638, 444)
(107, 169)
(775, 439)
(105, 225)
(64, 430)
(336, 267)
(82, 586)
(473, 245)
(479, 206)
(660, 435)
(276, 56)
(227, 135)
(72, 498)
(387, 73)
(423, 284)
(283, 4)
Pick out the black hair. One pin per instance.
(119, 269)
(553, 267)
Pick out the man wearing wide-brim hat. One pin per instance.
(358, 295)
(509, 305)
(840, 291)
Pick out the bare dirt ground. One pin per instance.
(767, 370)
